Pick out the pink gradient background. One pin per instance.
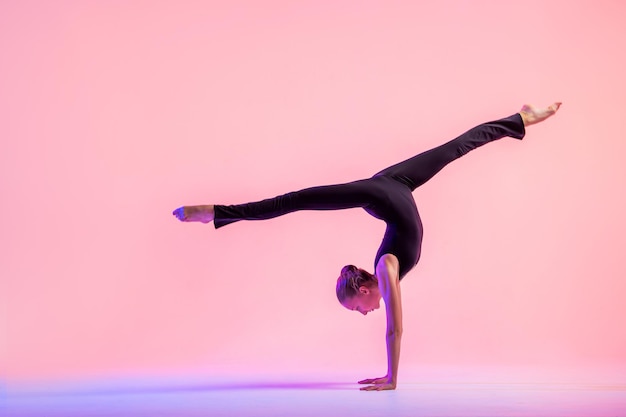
(112, 114)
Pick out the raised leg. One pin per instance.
(328, 197)
(417, 170)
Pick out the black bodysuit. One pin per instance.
(386, 196)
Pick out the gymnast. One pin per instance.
(386, 196)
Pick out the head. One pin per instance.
(357, 290)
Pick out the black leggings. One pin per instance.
(412, 172)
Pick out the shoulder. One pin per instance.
(389, 262)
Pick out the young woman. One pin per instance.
(386, 196)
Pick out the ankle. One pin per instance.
(525, 118)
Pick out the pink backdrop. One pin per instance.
(112, 114)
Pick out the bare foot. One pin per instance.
(203, 214)
(531, 115)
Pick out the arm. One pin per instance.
(387, 272)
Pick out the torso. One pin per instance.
(394, 204)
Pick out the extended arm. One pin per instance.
(387, 272)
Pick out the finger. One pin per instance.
(382, 379)
(368, 388)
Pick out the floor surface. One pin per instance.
(254, 397)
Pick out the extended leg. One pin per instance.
(329, 197)
(417, 170)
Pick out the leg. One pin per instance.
(329, 197)
(417, 170)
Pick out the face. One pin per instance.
(366, 300)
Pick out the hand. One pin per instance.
(380, 384)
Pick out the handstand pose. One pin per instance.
(386, 196)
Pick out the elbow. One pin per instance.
(394, 333)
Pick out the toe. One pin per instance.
(179, 213)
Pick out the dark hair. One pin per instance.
(350, 280)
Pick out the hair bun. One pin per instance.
(349, 270)
(351, 279)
